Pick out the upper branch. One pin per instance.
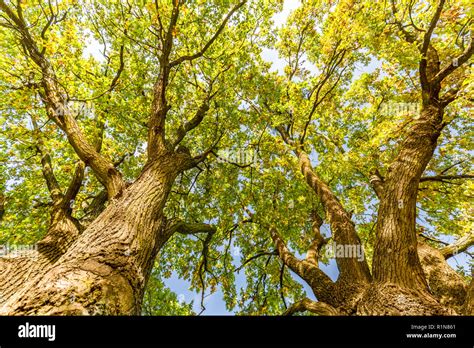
(462, 244)
(342, 227)
(431, 28)
(455, 63)
(425, 83)
(156, 133)
(159, 109)
(210, 42)
(334, 62)
(59, 112)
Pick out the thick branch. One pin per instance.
(376, 181)
(342, 227)
(191, 228)
(75, 184)
(462, 244)
(318, 240)
(469, 303)
(444, 282)
(456, 63)
(442, 178)
(424, 79)
(321, 284)
(319, 308)
(160, 107)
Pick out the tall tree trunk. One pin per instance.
(400, 285)
(105, 269)
(395, 256)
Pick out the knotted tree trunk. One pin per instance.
(104, 270)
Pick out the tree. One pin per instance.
(388, 177)
(293, 162)
(100, 263)
(408, 276)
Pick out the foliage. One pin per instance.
(349, 88)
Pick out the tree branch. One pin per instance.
(376, 181)
(318, 242)
(75, 184)
(2, 205)
(306, 304)
(456, 63)
(210, 42)
(342, 227)
(431, 28)
(459, 246)
(191, 124)
(256, 256)
(191, 228)
(46, 165)
(442, 178)
(425, 83)
(159, 109)
(57, 109)
(321, 284)
(114, 82)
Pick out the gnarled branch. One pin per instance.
(306, 304)
(459, 246)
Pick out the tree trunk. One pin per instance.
(105, 269)
(409, 278)
(395, 256)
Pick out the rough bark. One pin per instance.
(401, 284)
(343, 229)
(468, 308)
(319, 308)
(105, 269)
(395, 256)
(444, 282)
